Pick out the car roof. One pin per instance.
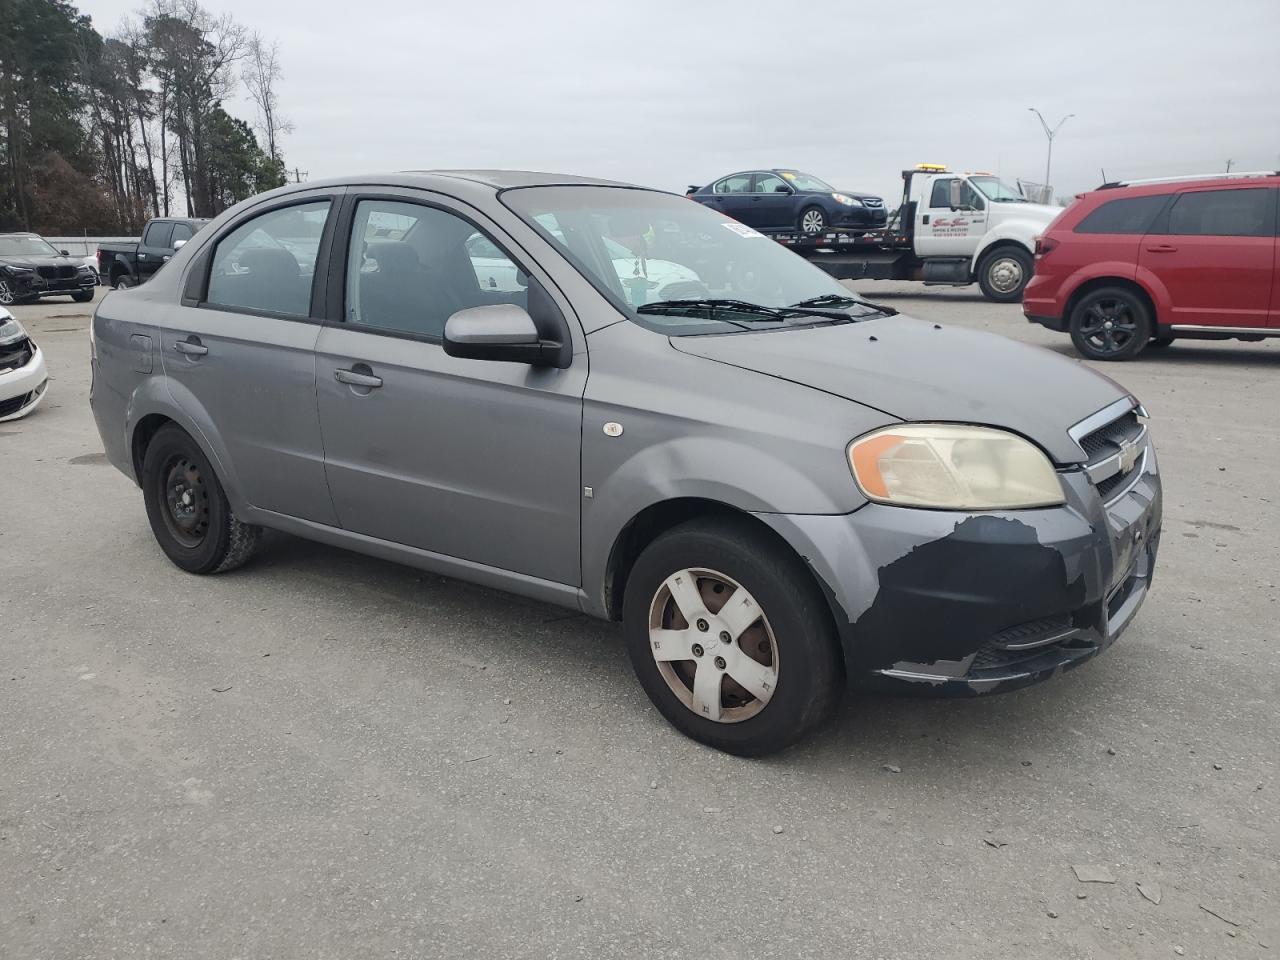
(1142, 188)
(20, 233)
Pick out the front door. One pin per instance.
(1214, 253)
(240, 360)
(943, 231)
(473, 459)
(773, 203)
(153, 248)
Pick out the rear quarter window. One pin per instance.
(1124, 215)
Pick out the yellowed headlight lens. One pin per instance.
(953, 467)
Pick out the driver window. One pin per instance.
(268, 262)
(768, 183)
(940, 199)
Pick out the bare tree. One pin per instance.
(260, 74)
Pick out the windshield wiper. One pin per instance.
(826, 300)
(713, 306)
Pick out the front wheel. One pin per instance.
(7, 296)
(1110, 324)
(813, 221)
(188, 509)
(83, 296)
(731, 639)
(1004, 273)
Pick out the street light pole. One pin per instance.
(1050, 133)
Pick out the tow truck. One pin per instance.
(951, 229)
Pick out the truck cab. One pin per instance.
(984, 228)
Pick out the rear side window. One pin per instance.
(181, 231)
(736, 184)
(1222, 213)
(268, 262)
(1124, 215)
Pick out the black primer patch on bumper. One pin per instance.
(944, 599)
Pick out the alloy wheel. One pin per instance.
(813, 222)
(1108, 325)
(713, 645)
(6, 293)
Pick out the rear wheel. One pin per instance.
(188, 509)
(1004, 273)
(1111, 323)
(122, 282)
(731, 639)
(813, 221)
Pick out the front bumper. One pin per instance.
(863, 218)
(22, 389)
(961, 604)
(31, 286)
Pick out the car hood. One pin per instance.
(914, 370)
(1032, 211)
(30, 263)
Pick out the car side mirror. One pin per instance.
(179, 244)
(956, 189)
(782, 188)
(65, 253)
(499, 331)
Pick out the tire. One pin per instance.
(1110, 323)
(7, 296)
(84, 296)
(1159, 342)
(188, 509)
(1003, 273)
(796, 665)
(813, 221)
(122, 282)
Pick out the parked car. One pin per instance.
(129, 264)
(788, 201)
(772, 485)
(1142, 263)
(30, 269)
(23, 379)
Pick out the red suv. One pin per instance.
(1139, 264)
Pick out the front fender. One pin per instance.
(1021, 232)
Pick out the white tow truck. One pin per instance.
(952, 228)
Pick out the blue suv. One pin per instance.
(788, 201)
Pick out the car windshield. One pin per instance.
(806, 182)
(679, 267)
(26, 247)
(996, 189)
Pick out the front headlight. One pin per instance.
(953, 467)
(846, 200)
(10, 329)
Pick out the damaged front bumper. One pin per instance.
(960, 603)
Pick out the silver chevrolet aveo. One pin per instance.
(619, 401)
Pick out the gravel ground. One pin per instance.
(327, 756)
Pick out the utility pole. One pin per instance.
(1050, 133)
(300, 175)
(1229, 163)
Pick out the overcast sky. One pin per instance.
(669, 94)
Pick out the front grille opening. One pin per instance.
(14, 404)
(1021, 645)
(1106, 442)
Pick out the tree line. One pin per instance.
(99, 133)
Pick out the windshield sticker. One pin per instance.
(741, 229)
(789, 176)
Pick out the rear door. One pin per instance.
(154, 248)
(239, 351)
(1213, 250)
(733, 196)
(772, 203)
(473, 459)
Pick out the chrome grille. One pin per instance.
(872, 202)
(1116, 453)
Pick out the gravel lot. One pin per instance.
(327, 756)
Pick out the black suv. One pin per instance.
(788, 201)
(30, 268)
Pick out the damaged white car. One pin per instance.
(23, 378)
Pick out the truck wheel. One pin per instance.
(188, 509)
(122, 282)
(1110, 324)
(813, 221)
(1004, 273)
(731, 639)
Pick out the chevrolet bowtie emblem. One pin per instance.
(1129, 453)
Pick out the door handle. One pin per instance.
(357, 379)
(192, 347)
(1162, 248)
(165, 259)
(142, 256)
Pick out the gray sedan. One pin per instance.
(774, 484)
